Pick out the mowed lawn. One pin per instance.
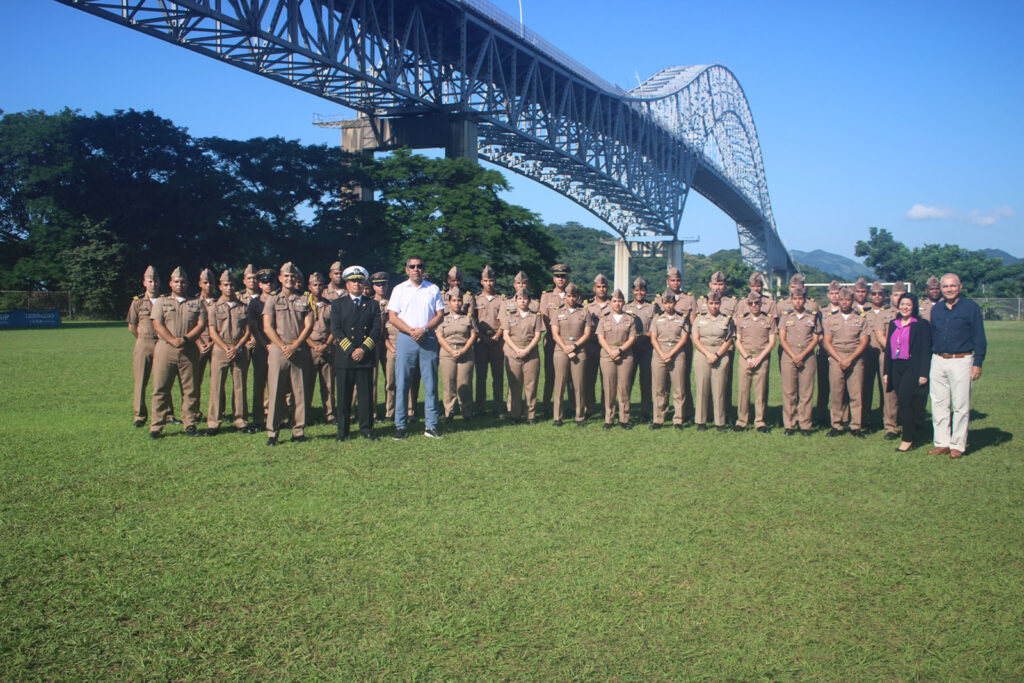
(500, 551)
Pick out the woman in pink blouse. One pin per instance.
(908, 355)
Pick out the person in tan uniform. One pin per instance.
(571, 328)
(617, 333)
(178, 321)
(598, 307)
(521, 282)
(379, 282)
(755, 339)
(822, 408)
(786, 305)
(880, 317)
(550, 302)
(229, 332)
(455, 280)
(287, 322)
(769, 306)
(251, 290)
(728, 308)
(686, 304)
(390, 344)
(488, 349)
(267, 281)
(933, 295)
(522, 330)
(669, 335)
(207, 295)
(846, 337)
(861, 304)
(321, 349)
(642, 311)
(713, 334)
(799, 335)
(141, 327)
(456, 336)
(336, 286)
(873, 313)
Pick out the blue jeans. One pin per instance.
(409, 354)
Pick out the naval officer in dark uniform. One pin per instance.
(355, 326)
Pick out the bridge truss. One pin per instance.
(630, 158)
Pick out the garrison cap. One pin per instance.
(755, 278)
(249, 270)
(899, 287)
(487, 273)
(674, 272)
(336, 266)
(179, 272)
(933, 282)
(226, 278)
(668, 296)
(876, 286)
(560, 269)
(317, 276)
(150, 274)
(834, 286)
(797, 279)
(600, 279)
(572, 290)
(617, 294)
(639, 283)
(291, 268)
(355, 274)
(860, 284)
(715, 296)
(845, 293)
(753, 297)
(718, 276)
(521, 277)
(379, 278)
(455, 274)
(207, 275)
(798, 290)
(455, 293)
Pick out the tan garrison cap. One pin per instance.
(861, 283)
(317, 277)
(249, 271)
(753, 297)
(845, 292)
(179, 272)
(455, 293)
(521, 277)
(207, 275)
(150, 274)
(899, 287)
(487, 273)
(560, 269)
(755, 279)
(933, 282)
(718, 276)
(225, 277)
(455, 273)
(600, 279)
(797, 279)
(876, 286)
(639, 283)
(379, 278)
(674, 272)
(715, 296)
(668, 296)
(834, 286)
(291, 268)
(798, 290)
(572, 289)
(617, 294)
(336, 266)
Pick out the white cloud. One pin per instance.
(990, 217)
(920, 212)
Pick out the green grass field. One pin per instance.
(499, 552)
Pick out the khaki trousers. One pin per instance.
(756, 379)
(664, 375)
(709, 385)
(949, 383)
(220, 368)
(489, 356)
(142, 365)
(523, 374)
(456, 382)
(569, 374)
(282, 374)
(846, 388)
(797, 391)
(617, 383)
(389, 386)
(321, 370)
(170, 363)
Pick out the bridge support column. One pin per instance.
(675, 256)
(620, 279)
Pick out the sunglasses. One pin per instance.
(415, 266)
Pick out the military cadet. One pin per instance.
(336, 286)
(229, 332)
(875, 313)
(251, 291)
(768, 304)
(786, 305)
(488, 349)
(713, 334)
(208, 297)
(799, 334)
(549, 303)
(598, 307)
(880, 317)
(379, 281)
(521, 282)
(686, 304)
(390, 343)
(287, 322)
(321, 349)
(355, 328)
(617, 334)
(755, 339)
(846, 337)
(267, 281)
(642, 311)
(933, 295)
(141, 327)
(456, 336)
(178, 321)
(728, 308)
(669, 335)
(571, 329)
(455, 280)
(860, 296)
(822, 408)
(521, 331)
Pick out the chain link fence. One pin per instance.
(15, 300)
(1002, 309)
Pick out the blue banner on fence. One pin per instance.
(50, 318)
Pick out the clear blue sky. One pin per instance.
(904, 115)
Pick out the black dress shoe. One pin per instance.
(449, 418)
(332, 421)
(213, 431)
(764, 430)
(788, 432)
(271, 440)
(339, 439)
(607, 425)
(735, 428)
(299, 439)
(681, 426)
(156, 435)
(531, 421)
(400, 434)
(655, 425)
(557, 423)
(724, 428)
(805, 432)
(191, 430)
(370, 436)
(173, 420)
(833, 432)
(248, 429)
(138, 423)
(858, 433)
(581, 423)
(626, 425)
(702, 428)
(891, 436)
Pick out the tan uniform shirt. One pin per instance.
(713, 332)
(455, 329)
(551, 302)
(846, 330)
(468, 302)
(599, 309)
(230, 321)
(755, 332)
(669, 328)
(488, 314)
(209, 303)
(321, 323)
(519, 329)
(644, 314)
(287, 315)
(331, 294)
(879, 322)
(572, 323)
(768, 306)
(615, 332)
(924, 308)
(510, 306)
(179, 316)
(139, 316)
(800, 330)
(728, 307)
(786, 306)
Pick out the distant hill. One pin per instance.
(842, 267)
(1007, 259)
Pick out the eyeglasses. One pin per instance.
(415, 266)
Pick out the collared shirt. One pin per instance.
(959, 330)
(416, 305)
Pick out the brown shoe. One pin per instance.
(939, 451)
(955, 454)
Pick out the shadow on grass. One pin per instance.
(979, 439)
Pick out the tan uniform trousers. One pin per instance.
(846, 388)
(142, 366)
(170, 363)
(617, 384)
(321, 370)
(665, 375)
(523, 374)
(709, 386)
(753, 381)
(890, 410)
(220, 368)
(569, 374)
(281, 373)
(489, 357)
(457, 382)
(797, 391)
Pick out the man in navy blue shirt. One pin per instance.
(958, 350)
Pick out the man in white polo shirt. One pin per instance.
(416, 309)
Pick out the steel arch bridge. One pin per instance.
(630, 158)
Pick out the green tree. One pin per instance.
(884, 255)
(92, 269)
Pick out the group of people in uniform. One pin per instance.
(343, 334)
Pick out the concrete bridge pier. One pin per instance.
(620, 278)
